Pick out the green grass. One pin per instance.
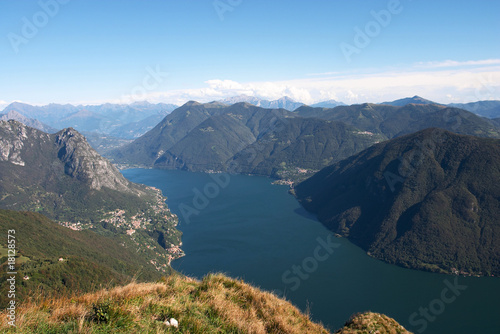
(20, 259)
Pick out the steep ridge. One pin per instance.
(150, 146)
(85, 164)
(109, 119)
(429, 200)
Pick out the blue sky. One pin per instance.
(93, 51)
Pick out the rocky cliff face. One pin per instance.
(81, 161)
(13, 136)
(18, 143)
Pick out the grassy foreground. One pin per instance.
(217, 304)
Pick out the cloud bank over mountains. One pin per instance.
(447, 81)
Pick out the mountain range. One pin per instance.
(489, 108)
(130, 121)
(428, 200)
(109, 119)
(242, 138)
(412, 182)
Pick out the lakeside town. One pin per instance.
(138, 228)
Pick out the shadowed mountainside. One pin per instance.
(429, 200)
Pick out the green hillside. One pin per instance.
(208, 146)
(90, 260)
(429, 200)
(304, 143)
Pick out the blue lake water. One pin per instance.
(248, 228)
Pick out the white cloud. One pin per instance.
(454, 63)
(224, 84)
(439, 81)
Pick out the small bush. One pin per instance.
(101, 312)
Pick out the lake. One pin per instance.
(248, 228)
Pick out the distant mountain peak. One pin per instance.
(14, 114)
(488, 108)
(191, 103)
(410, 100)
(284, 102)
(17, 116)
(243, 104)
(140, 103)
(17, 104)
(286, 98)
(328, 104)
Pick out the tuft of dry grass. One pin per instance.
(370, 322)
(250, 310)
